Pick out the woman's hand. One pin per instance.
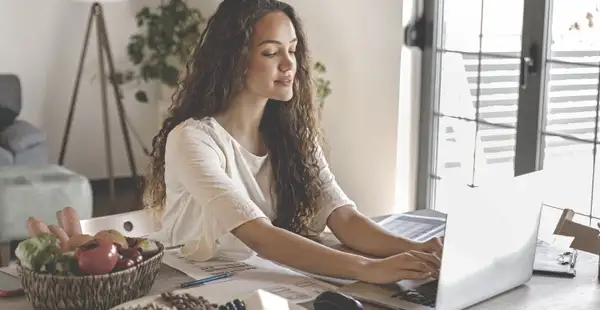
(412, 265)
(433, 246)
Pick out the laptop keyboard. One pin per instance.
(422, 295)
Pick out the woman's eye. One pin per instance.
(267, 54)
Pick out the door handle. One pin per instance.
(414, 34)
(526, 66)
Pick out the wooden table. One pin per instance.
(541, 292)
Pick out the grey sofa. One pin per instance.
(21, 143)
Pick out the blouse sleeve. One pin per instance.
(219, 205)
(331, 197)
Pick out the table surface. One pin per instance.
(541, 292)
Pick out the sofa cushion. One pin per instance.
(37, 155)
(20, 136)
(7, 117)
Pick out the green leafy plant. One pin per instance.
(323, 85)
(168, 34)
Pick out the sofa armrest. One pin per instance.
(21, 136)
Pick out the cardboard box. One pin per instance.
(586, 238)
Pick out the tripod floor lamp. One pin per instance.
(105, 57)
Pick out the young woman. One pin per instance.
(237, 168)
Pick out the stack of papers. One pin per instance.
(253, 274)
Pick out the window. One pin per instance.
(511, 87)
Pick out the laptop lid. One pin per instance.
(490, 240)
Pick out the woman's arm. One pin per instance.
(355, 230)
(300, 253)
(297, 252)
(196, 162)
(361, 234)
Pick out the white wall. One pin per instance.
(361, 44)
(43, 46)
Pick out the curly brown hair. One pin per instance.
(290, 130)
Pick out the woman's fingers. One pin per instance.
(427, 257)
(419, 266)
(414, 275)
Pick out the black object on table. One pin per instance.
(331, 300)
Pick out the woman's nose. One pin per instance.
(287, 63)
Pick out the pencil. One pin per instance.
(206, 280)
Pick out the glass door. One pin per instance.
(569, 106)
(470, 94)
(510, 87)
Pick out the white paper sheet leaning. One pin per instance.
(414, 227)
(253, 274)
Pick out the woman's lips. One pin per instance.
(285, 82)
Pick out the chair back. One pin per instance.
(139, 223)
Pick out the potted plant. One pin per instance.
(323, 85)
(168, 34)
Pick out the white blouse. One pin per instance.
(214, 185)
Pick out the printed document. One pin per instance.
(253, 273)
(414, 227)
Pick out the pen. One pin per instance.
(206, 280)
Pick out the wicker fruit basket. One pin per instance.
(51, 291)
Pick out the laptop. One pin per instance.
(490, 240)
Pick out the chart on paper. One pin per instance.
(224, 267)
(413, 227)
(254, 273)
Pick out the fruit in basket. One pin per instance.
(124, 263)
(78, 240)
(98, 256)
(36, 252)
(145, 246)
(132, 254)
(63, 264)
(113, 236)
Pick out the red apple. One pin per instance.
(97, 257)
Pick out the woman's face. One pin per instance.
(272, 65)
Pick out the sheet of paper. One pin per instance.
(254, 299)
(414, 227)
(558, 241)
(254, 273)
(563, 241)
(11, 269)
